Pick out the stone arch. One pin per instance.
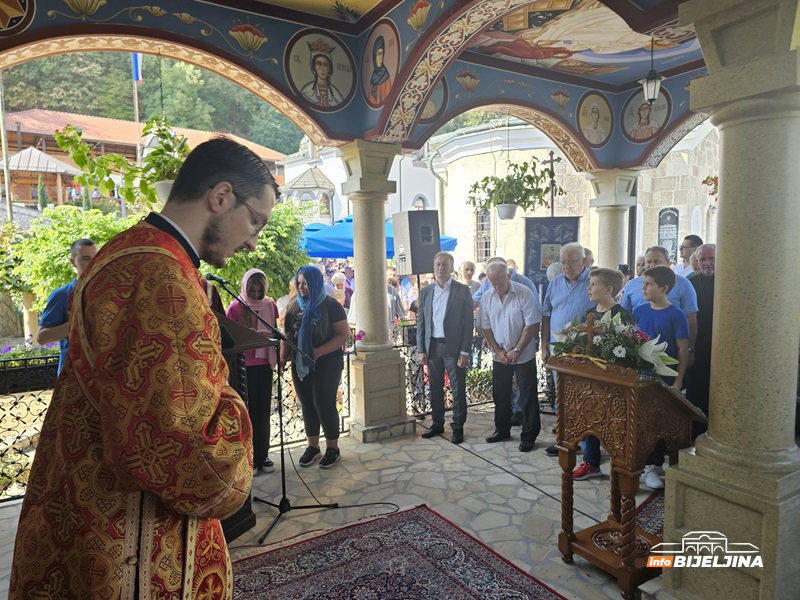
(553, 126)
(655, 153)
(420, 202)
(183, 49)
(441, 45)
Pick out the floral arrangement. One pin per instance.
(28, 349)
(713, 183)
(620, 343)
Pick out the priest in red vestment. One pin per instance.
(145, 447)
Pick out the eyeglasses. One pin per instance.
(565, 263)
(260, 218)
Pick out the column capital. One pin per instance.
(367, 165)
(750, 48)
(612, 187)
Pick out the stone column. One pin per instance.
(743, 477)
(378, 370)
(613, 191)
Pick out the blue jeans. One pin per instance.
(591, 452)
(516, 404)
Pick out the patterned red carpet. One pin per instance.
(414, 554)
(650, 514)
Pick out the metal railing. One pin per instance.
(26, 386)
(479, 372)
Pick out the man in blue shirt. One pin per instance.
(567, 297)
(682, 295)
(53, 324)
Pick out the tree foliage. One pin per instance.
(41, 194)
(99, 84)
(279, 252)
(41, 254)
(469, 119)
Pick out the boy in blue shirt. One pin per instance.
(658, 317)
(604, 285)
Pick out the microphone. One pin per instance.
(212, 277)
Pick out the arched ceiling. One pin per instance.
(393, 70)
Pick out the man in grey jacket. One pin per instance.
(444, 338)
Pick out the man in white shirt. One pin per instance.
(688, 246)
(444, 338)
(510, 316)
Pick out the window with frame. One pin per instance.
(483, 235)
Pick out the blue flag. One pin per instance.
(137, 66)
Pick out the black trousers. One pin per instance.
(502, 378)
(317, 393)
(259, 402)
(438, 362)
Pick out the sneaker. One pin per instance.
(585, 471)
(551, 450)
(309, 456)
(332, 456)
(651, 479)
(268, 466)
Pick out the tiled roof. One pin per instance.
(116, 131)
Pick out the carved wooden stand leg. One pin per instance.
(566, 459)
(616, 500)
(629, 486)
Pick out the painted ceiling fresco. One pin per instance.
(345, 10)
(583, 38)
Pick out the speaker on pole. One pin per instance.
(416, 241)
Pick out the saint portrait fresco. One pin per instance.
(380, 62)
(642, 121)
(436, 104)
(595, 119)
(320, 70)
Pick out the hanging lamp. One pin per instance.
(652, 83)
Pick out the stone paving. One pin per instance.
(506, 499)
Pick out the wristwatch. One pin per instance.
(517, 350)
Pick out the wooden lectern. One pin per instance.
(629, 415)
(243, 339)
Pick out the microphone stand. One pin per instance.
(283, 505)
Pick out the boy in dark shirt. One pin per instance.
(604, 285)
(660, 318)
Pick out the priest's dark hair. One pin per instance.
(221, 159)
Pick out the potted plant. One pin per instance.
(162, 162)
(525, 186)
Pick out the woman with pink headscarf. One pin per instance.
(260, 362)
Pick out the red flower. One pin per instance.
(643, 335)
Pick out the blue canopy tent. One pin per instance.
(312, 227)
(337, 241)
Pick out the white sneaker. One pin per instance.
(651, 479)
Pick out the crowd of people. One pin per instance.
(166, 446)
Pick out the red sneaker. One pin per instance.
(585, 471)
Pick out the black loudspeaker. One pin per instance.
(416, 241)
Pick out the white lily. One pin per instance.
(653, 352)
(560, 337)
